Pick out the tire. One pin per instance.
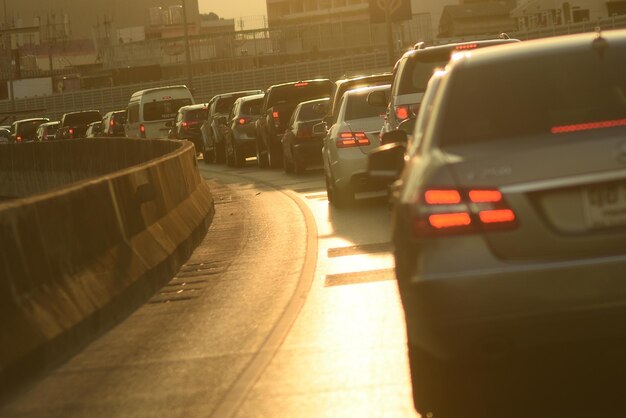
(273, 158)
(261, 158)
(298, 167)
(342, 198)
(238, 157)
(219, 153)
(229, 156)
(207, 156)
(287, 165)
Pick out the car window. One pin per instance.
(308, 112)
(196, 114)
(251, 107)
(225, 104)
(418, 69)
(547, 96)
(358, 107)
(164, 109)
(299, 92)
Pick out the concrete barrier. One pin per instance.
(98, 226)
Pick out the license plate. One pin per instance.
(605, 205)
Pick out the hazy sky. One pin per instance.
(233, 8)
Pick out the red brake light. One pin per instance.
(302, 84)
(588, 126)
(275, 115)
(449, 220)
(184, 125)
(111, 123)
(242, 121)
(461, 210)
(442, 197)
(352, 139)
(496, 216)
(402, 112)
(485, 196)
(467, 46)
(142, 131)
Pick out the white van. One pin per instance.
(149, 110)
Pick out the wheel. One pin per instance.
(329, 190)
(298, 167)
(219, 153)
(207, 156)
(287, 165)
(261, 158)
(238, 157)
(230, 156)
(273, 158)
(342, 197)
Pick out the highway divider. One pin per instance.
(96, 227)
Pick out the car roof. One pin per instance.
(368, 88)
(192, 107)
(325, 99)
(291, 83)
(234, 93)
(250, 97)
(31, 120)
(545, 47)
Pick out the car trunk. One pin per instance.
(568, 192)
(371, 127)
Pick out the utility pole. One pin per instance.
(390, 47)
(187, 53)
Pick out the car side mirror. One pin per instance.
(319, 129)
(387, 161)
(395, 136)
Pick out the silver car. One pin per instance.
(509, 228)
(352, 135)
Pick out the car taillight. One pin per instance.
(404, 112)
(71, 133)
(276, 117)
(18, 139)
(304, 132)
(443, 211)
(184, 125)
(243, 121)
(352, 139)
(142, 131)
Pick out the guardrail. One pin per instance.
(74, 259)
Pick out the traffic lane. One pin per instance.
(346, 353)
(179, 354)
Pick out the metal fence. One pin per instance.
(204, 86)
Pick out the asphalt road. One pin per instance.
(287, 309)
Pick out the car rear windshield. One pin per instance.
(312, 111)
(418, 70)
(197, 114)
(28, 128)
(163, 109)
(251, 107)
(119, 117)
(358, 107)
(299, 92)
(525, 96)
(82, 118)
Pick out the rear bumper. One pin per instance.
(309, 152)
(512, 308)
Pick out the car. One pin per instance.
(25, 130)
(149, 110)
(350, 83)
(412, 72)
(5, 135)
(301, 147)
(94, 129)
(187, 124)
(239, 135)
(347, 143)
(508, 228)
(74, 124)
(113, 123)
(47, 131)
(278, 104)
(214, 126)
